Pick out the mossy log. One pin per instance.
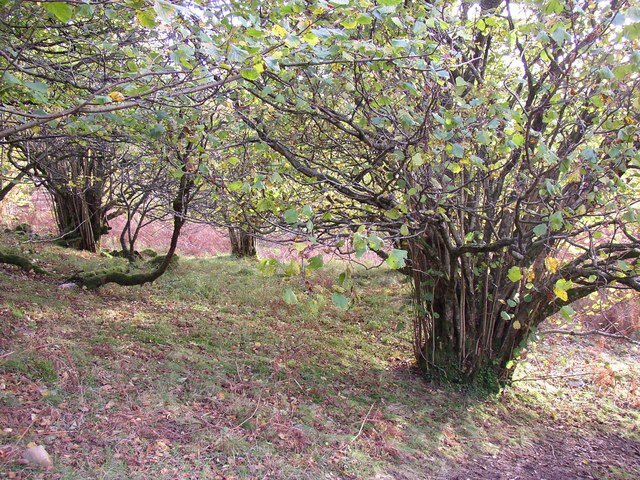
(95, 280)
(22, 262)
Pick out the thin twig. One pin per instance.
(37, 347)
(252, 415)
(546, 377)
(592, 332)
(366, 417)
(25, 432)
(238, 372)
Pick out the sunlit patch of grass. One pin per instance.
(35, 367)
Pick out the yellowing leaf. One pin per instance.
(349, 24)
(561, 294)
(575, 176)
(551, 264)
(531, 275)
(311, 38)
(516, 325)
(250, 74)
(116, 96)
(278, 31)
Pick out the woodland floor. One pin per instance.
(208, 374)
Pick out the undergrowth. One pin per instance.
(209, 373)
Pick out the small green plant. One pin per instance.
(35, 368)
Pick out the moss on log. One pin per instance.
(95, 280)
(20, 261)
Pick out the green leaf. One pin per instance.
(518, 139)
(457, 150)
(290, 297)
(291, 216)
(316, 262)
(556, 221)
(164, 10)
(291, 269)
(264, 205)
(393, 214)
(147, 18)
(540, 229)
(406, 119)
(417, 160)
(10, 79)
(561, 288)
(157, 130)
(404, 230)
(349, 24)
(567, 312)
(560, 35)
(632, 31)
(340, 300)
(237, 54)
(177, 173)
(563, 284)
(554, 6)
(235, 186)
(102, 99)
(39, 87)
(396, 259)
(61, 10)
(482, 137)
(515, 274)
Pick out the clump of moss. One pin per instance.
(157, 260)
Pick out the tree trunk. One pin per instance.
(471, 319)
(243, 243)
(76, 182)
(80, 218)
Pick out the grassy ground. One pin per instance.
(208, 374)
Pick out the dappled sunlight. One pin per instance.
(179, 373)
